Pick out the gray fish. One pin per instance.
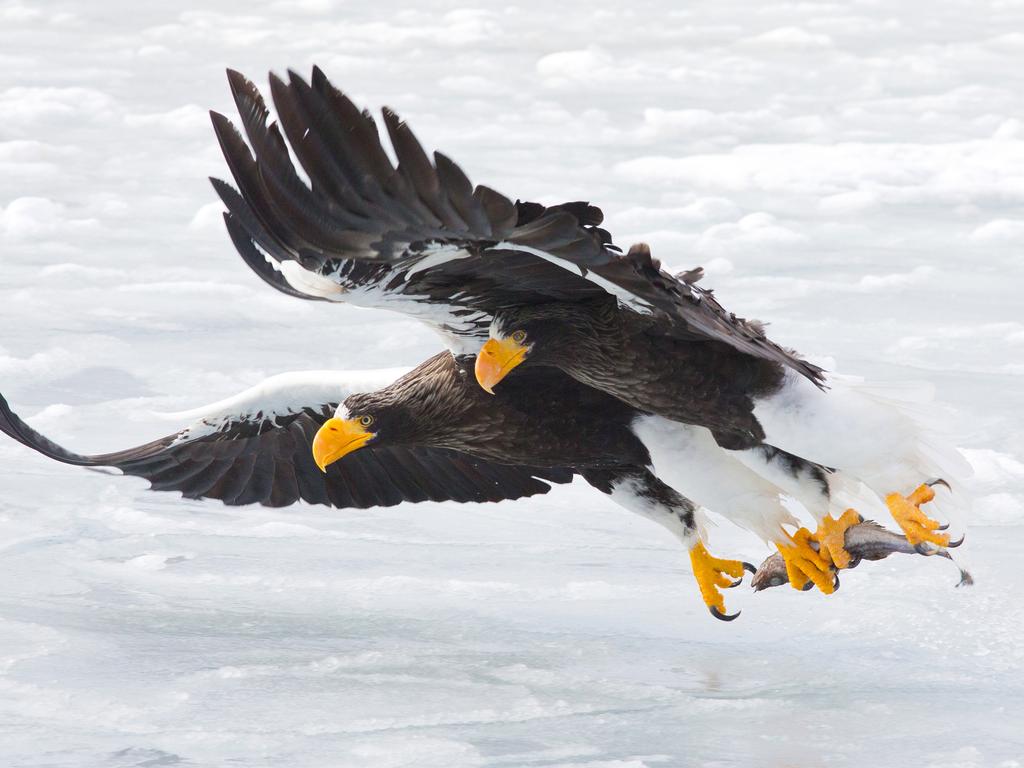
(866, 541)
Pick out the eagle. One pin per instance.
(815, 443)
(419, 238)
(730, 418)
(254, 448)
(431, 434)
(507, 411)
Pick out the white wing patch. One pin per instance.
(303, 280)
(436, 254)
(282, 395)
(625, 298)
(309, 282)
(461, 333)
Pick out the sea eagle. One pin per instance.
(420, 239)
(431, 434)
(753, 407)
(254, 448)
(731, 419)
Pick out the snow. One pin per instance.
(851, 172)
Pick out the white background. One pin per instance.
(851, 172)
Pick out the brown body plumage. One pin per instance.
(544, 418)
(628, 355)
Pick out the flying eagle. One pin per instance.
(730, 418)
(432, 434)
(420, 239)
(254, 448)
(753, 406)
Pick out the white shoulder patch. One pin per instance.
(309, 282)
(436, 254)
(625, 298)
(281, 395)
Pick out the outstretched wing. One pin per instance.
(683, 307)
(255, 449)
(366, 231)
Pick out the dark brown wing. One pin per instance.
(357, 204)
(264, 457)
(426, 229)
(684, 307)
(419, 228)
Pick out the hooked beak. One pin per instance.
(496, 359)
(337, 438)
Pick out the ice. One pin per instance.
(851, 172)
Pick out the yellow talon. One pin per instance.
(831, 537)
(804, 564)
(713, 574)
(916, 525)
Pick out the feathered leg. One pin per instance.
(881, 435)
(808, 483)
(638, 490)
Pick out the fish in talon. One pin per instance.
(865, 541)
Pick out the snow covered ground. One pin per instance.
(852, 172)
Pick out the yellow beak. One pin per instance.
(496, 359)
(337, 438)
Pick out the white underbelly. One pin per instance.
(688, 459)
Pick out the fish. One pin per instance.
(866, 541)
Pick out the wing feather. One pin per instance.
(680, 300)
(360, 207)
(443, 241)
(255, 449)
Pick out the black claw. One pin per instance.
(955, 544)
(938, 481)
(942, 527)
(854, 562)
(807, 587)
(722, 616)
(735, 583)
(835, 582)
(860, 517)
(748, 567)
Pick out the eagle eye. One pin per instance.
(519, 337)
(366, 420)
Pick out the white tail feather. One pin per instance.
(886, 435)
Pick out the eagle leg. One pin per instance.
(714, 574)
(916, 525)
(804, 565)
(831, 537)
